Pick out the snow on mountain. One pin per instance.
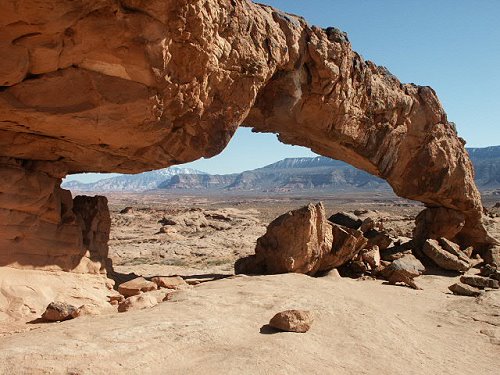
(134, 182)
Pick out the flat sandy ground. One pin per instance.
(219, 326)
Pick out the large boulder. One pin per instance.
(294, 242)
(302, 241)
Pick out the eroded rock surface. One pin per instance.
(132, 85)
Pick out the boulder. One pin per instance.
(347, 243)
(171, 282)
(346, 219)
(479, 281)
(136, 286)
(464, 290)
(59, 311)
(126, 210)
(443, 258)
(378, 238)
(298, 321)
(454, 249)
(404, 270)
(138, 302)
(294, 242)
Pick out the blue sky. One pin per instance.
(451, 45)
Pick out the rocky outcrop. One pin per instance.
(42, 227)
(133, 85)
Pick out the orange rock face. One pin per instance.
(134, 85)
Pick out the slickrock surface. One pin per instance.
(216, 328)
(131, 85)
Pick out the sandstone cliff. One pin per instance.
(134, 85)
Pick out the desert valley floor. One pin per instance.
(217, 323)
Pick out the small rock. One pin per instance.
(464, 290)
(171, 282)
(126, 210)
(136, 286)
(59, 311)
(479, 281)
(139, 302)
(346, 219)
(404, 270)
(299, 321)
(490, 271)
(116, 299)
(443, 258)
(371, 256)
(165, 221)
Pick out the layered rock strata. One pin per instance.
(134, 85)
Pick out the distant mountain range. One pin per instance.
(486, 165)
(131, 182)
(318, 173)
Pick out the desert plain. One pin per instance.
(218, 322)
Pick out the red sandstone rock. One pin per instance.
(136, 286)
(59, 311)
(299, 321)
(172, 282)
(443, 258)
(129, 86)
(294, 242)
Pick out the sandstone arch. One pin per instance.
(134, 85)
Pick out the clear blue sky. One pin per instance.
(451, 45)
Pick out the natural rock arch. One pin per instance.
(134, 85)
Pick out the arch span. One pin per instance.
(134, 85)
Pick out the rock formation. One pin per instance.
(297, 241)
(134, 85)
